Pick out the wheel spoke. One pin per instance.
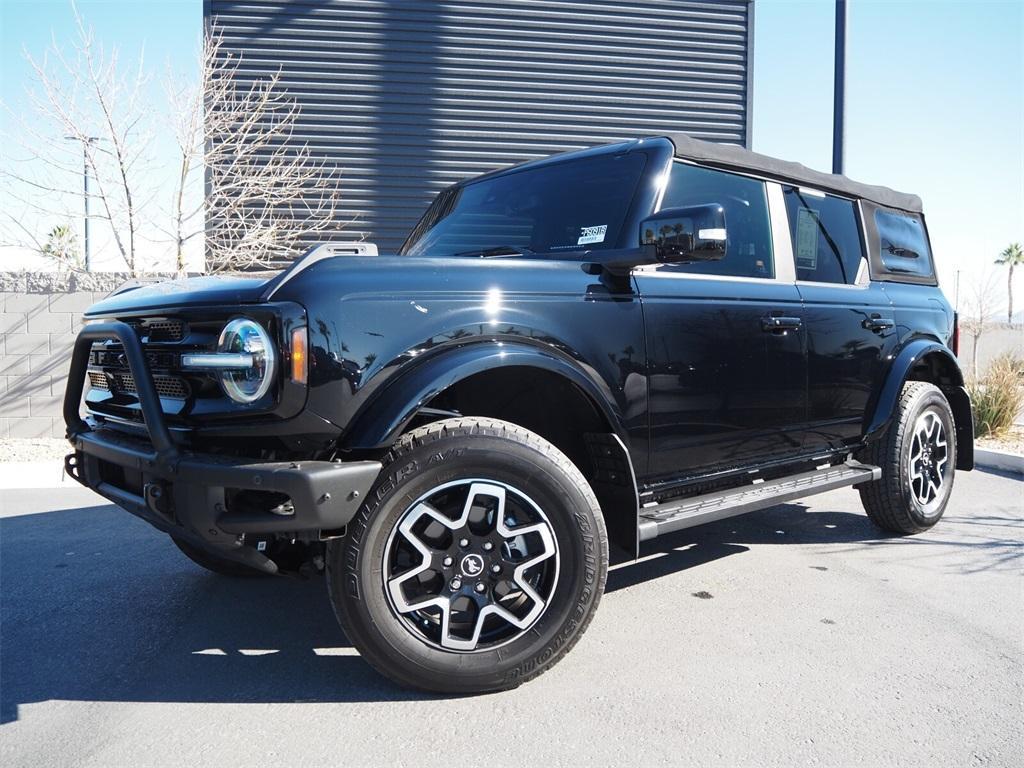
(395, 584)
(916, 447)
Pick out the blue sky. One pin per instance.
(935, 105)
(935, 96)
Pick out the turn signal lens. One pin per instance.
(300, 365)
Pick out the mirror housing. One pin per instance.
(694, 233)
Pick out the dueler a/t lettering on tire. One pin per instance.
(918, 459)
(476, 563)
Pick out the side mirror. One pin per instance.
(695, 233)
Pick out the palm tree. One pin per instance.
(62, 247)
(1012, 257)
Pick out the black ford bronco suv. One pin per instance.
(565, 359)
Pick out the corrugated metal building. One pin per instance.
(409, 96)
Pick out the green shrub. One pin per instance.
(997, 396)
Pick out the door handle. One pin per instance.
(877, 323)
(772, 324)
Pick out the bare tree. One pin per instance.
(93, 116)
(186, 103)
(978, 312)
(266, 195)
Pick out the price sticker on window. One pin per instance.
(806, 239)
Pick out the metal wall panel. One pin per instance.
(408, 97)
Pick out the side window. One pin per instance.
(826, 237)
(903, 244)
(749, 246)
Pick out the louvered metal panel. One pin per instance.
(410, 96)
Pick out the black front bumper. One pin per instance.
(188, 494)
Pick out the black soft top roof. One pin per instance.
(729, 156)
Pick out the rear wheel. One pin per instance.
(477, 562)
(918, 460)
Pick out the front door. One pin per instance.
(726, 345)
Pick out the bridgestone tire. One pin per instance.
(890, 502)
(436, 456)
(215, 564)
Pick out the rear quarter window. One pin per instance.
(898, 241)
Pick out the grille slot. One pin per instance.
(114, 358)
(98, 380)
(166, 386)
(160, 330)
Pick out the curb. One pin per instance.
(24, 475)
(999, 460)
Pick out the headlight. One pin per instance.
(247, 337)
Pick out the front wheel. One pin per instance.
(476, 563)
(918, 459)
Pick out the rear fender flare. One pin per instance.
(881, 415)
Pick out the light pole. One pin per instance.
(86, 141)
(839, 90)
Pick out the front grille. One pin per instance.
(166, 386)
(163, 362)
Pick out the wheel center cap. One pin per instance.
(472, 565)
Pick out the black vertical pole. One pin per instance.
(839, 91)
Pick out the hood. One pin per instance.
(193, 291)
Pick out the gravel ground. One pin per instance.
(1011, 442)
(36, 449)
(800, 635)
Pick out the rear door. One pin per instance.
(725, 340)
(849, 320)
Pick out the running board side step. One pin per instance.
(697, 510)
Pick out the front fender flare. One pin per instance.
(881, 415)
(380, 421)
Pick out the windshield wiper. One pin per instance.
(498, 250)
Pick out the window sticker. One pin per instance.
(806, 239)
(592, 234)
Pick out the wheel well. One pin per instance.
(555, 408)
(538, 400)
(939, 369)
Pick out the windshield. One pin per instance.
(572, 206)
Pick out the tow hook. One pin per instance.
(155, 494)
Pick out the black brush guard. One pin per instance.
(184, 493)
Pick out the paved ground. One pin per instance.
(815, 641)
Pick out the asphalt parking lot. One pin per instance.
(795, 636)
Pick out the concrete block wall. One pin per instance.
(38, 330)
(40, 314)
